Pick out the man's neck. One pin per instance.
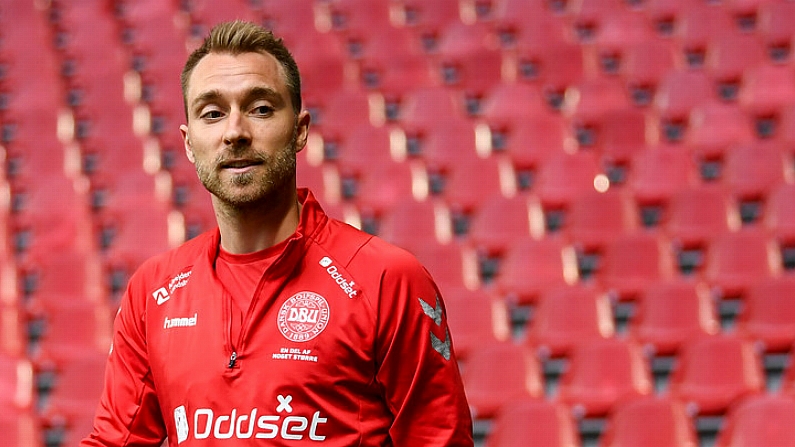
(258, 227)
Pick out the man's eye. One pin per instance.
(212, 114)
(262, 110)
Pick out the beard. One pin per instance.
(253, 188)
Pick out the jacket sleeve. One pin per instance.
(417, 365)
(128, 413)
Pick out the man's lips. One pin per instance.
(239, 164)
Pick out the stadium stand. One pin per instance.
(492, 138)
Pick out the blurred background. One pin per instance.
(603, 190)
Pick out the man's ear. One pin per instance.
(302, 129)
(183, 129)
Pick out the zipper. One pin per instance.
(232, 360)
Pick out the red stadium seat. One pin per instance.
(679, 92)
(532, 266)
(632, 261)
(769, 312)
(596, 218)
(393, 62)
(736, 260)
(728, 58)
(512, 18)
(671, 312)
(498, 222)
(657, 174)
(488, 388)
(543, 58)
(71, 330)
(645, 64)
(12, 340)
(650, 421)
(565, 316)
(422, 107)
(529, 144)
(766, 89)
(374, 196)
(427, 19)
(546, 423)
(697, 25)
(600, 373)
(288, 20)
(411, 224)
(16, 385)
(774, 24)
(476, 320)
(564, 177)
(363, 147)
(714, 371)
(20, 429)
(698, 213)
(752, 172)
(321, 57)
(761, 419)
(715, 127)
(62, 276)
(334, 125)
(588, 100)
(495, 176)
(779, 214)
(467, 62)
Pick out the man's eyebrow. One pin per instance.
(252, 94)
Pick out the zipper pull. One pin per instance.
(232, 360)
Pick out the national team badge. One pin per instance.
(303, 317)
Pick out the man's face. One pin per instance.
(242, 133)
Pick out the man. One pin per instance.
(283, 326)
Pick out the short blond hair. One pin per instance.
(237, 37)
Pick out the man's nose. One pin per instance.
(237, 132)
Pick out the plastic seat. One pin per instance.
(698, 213)
(16, 384)
(331, 123)
(466, 62)
(663, 15)
(546, 423)
(762, 419)
(427, 19)
(488, 388)
(21, 429)
(363, 147)
(421, 108)
(697, 25)
(653, 421)
(774, 25)
(374, 196)
(633, 261)
(768, 313)
(596, 218)
(589, 99)
(779, 214)
(607, 39)
(714, 127)
(532, 266)
(508, 106)
(76, 390)
(764, 92)
(540, 58)
(512, 18)
(12, 340)
(531, 143)
(564, 177)
(714, 371)
(752, 171)
(735, 260)
(645, 64)
(476, 320)
(321, 57)
(411, 223)
(393, 62)
(498, 222)
(69, 330)
(565, 316)
(495, 178)
(288, 20)
(678, 93)
(600, 373)
(659, 172)
(63, 275)
(671, 312)
(728, 58)
(353, 19)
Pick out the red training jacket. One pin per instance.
(345, 344)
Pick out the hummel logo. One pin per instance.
(436, 313)
(442, 347)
